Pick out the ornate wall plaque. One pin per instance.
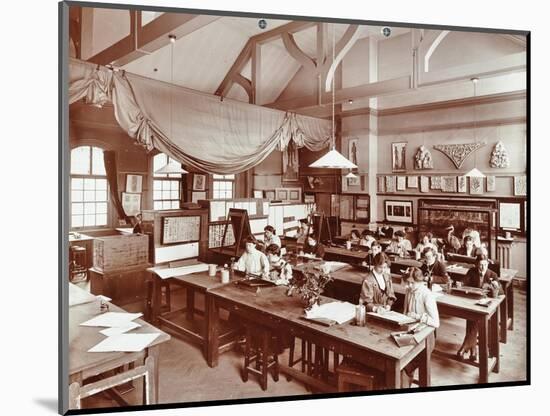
(458, 152)
(499, 156)
(423, 158)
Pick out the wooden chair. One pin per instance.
(77, 392)
(77, 266)
(166, 306)
(353, 376)
(260, 355)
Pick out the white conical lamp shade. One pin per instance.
(333, 160)
(475, 173)
(171, 167)
(351, 175)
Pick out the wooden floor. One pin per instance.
(185, 377)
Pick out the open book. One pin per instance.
(332, 313)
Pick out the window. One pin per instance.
(223, 186)
(89, 192)
(513, 215)
(166, 187)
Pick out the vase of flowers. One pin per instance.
(309, 283)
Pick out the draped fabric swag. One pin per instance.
(109, 158)
(200, 130)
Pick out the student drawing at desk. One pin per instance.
(434, 271)
(281, 270)
(469, 249)
(480, 277)
(253, 261)
(419, 304)
(399, 244)
(312, 246)
(270, 237)
(377, 290)
(375, 248)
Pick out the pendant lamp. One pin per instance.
(333, 159)
(171, 167)
(475, 172)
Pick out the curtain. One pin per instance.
(109, 158)
(199, 130)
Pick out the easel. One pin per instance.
(238, 219)
(319, 226)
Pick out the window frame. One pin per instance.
(84, 176)
(223, 179)
(166, 177)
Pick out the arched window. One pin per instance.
(166, 187)
(89, 193)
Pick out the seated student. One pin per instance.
(377, 289)
(312, 246)
(355, 236)
(375, 248)
(366, 238)
(481, 277)
(303, 232)
(469, 249)
(433, 270)
(270, 237)
(419, 304)
(385, 232)
(474, 234)
(253, 261)
(281, 270)
(138, 229)
(399, 244)
(426, 242)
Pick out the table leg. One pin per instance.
(190, 303)
(393, 375)
(483, 350)
(504, 320)
(425, 375)
(510, 300)
(495, 344)
(154, 352)
(156, 299)
(212, 331)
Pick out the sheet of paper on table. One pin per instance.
(79, 296)
(337, 311)
(124, 343)
(393, 316)
(116, 330)
(181, 271)
(112, 319)
(336, 265)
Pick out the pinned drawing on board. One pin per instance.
(476, 185)
(448, 184)
(462, 184)
(390, 183)
(401, 183)
(424, 184)
(398, 155)
(412, 181)
(381, 184)
(435, 182)
(491, 184)
(520, 185)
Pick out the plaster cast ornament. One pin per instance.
(458, 152)
(499, 156)
(423, 158)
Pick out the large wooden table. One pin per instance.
(458, 306)
(84, 364)
(190, 322)
(370, 345)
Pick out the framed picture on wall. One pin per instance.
(131, 203)
(196, 196)
(398, 211)
(398, 156)
(270, 194)
(134, 184)
(199, 182)
(258, 193)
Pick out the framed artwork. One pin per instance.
(398, 156)
(353, 150)
(196, 196)
(134, 184)
(269, 194)
(309, 198)
(520, 185)
(290, 163)
(131, 203)
(390, 183)
(412, 181)
(281, 194)
(424, 184)
(462, 184)
(398, 211)
(448, 183)
(380, 184)
(289, 194)
(199, 182)
(435, 182)
(476, 185)
(354, 181)
(401, 183)
(258, 193)
(491, 183)
(295, 195)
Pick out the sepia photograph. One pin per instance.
(217, 246)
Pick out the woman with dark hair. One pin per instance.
(270, 237)
(312, 246)
(377, 289)
(280, 270)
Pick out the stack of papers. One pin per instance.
(392, 316)
(117, 324)
(181, 271)
(339, 312)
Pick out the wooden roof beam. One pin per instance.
(147, 39)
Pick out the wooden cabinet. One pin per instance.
(123, 286)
